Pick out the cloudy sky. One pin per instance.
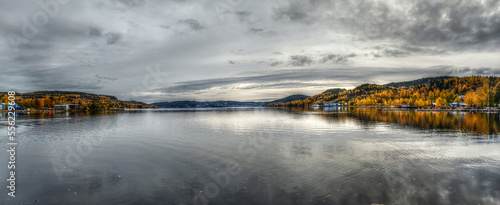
(256, 50)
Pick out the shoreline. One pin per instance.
(441, 110)
(64, 111)
(33, 111)
(416, 109)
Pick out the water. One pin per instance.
(256, 156)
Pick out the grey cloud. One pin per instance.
(256, 30)
(248, 17)
(266, 80)
(94, 32)
(336, 58)
(241, 52)
(405, 50)
(243, 16)
(454, 24)
(193, 24)
(262, 32)
(300, 60)
(311, 77)
(23, 58)
(75, 42)
(276, 63)
(35, 45)
(55, 79)
(293, 12)
(133, 3)
(475, 71)
(105, 78)
(112, 38)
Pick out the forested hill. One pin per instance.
(421, 81)
(472, 90)
(47, 99)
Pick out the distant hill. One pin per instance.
(196, 104)
(47, 99)
(421, 81)
(291, 98)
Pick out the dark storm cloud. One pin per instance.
(300, 60)
(462, 22)
(454, 24)
(193, 24)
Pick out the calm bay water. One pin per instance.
(256, 156)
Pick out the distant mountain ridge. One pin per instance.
(196, 104)
(291, 98)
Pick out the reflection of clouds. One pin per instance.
(314, 158)
(399, 173)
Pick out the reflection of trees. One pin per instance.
(477, 123)
(48, 115)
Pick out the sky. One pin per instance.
(170, 50)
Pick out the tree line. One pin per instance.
(46, 100)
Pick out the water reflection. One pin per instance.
(475, 123)
(344, 156)
(465, 122)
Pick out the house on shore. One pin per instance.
(67, 106)
(333, 104)
(459, 104)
